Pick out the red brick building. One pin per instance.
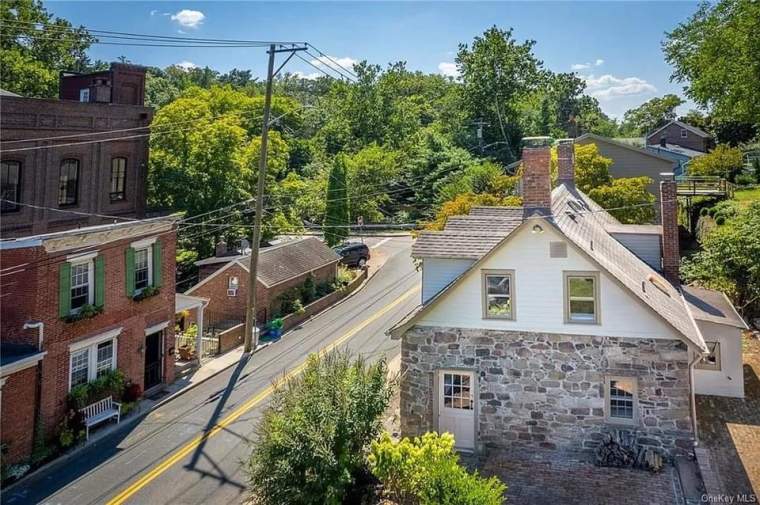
(122, 275)
(224, 279)
(681, 134)
(77, 174)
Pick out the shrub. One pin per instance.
(288, 301)
(745, 179)
(111, 383)
(704, 211)
(314, 435)
(309, 290)
(132, 393)
(324, 288)
(298, 306)
(344, 276)
(720, 219)
(426, 470)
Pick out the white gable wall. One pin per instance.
(729, 380)
(538, 294)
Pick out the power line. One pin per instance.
(344, 76)
(332, 60)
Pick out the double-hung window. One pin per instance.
(582, 297)
(92, 358)
(684, 133)
(68, 182)
(622, 400)
(143, 261)
(118, 178)
(10, 178)
(498, 294)
(82, 289)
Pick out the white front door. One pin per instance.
(456, 407)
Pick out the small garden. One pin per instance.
(71, 430)
(320, 441)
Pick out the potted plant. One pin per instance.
(275, 328)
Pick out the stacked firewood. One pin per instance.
(620, 449)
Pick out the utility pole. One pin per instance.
(480, 124)
(250, 343)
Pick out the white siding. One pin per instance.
(539, 304)
(729, 380)
(437, 273)
(646, 246)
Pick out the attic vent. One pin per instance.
(557, 249)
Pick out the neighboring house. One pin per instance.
(91, 178)
(631, 161)
(47, 282)
(546, 327)
(281, 268)
(682, 134)
(681, 155)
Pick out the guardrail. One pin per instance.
(704, 186)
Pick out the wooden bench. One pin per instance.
(100, 411)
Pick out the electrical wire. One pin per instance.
(332, 60)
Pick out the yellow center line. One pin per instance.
(183, 451)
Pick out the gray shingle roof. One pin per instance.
(712, 306)
(290, 259)
(455, 244)
(587, 231)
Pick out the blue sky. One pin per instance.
(614, 45)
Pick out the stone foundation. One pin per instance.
(547, 390)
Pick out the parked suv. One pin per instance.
(353, 254)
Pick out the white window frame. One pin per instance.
(684, 133)
(567, 275)
(510, 274)
(703, 365)
(91, 346)
(609, 418)
(90, 262)
(149, 253)
(84, 95)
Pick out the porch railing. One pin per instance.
(704, 186)
(210, 345)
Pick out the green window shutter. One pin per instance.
(157, 264)
(100, 281)
(130, 269)
(64, 289)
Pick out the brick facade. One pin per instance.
(547, 390)
(223, 307)
(17, 401)
(30, 118)
(122, 84)
(34, 289)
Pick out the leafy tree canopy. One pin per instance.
(723, 161)
(650, 115)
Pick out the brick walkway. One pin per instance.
(729, 429)
(549, 477)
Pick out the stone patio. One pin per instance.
(552, 477)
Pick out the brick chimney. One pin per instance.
(536, 180)
(566, 162)
(671, 255)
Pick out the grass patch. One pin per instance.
(747, 196)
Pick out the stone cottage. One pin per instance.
(541, 328)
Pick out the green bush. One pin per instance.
(314, 436)
(720, 219)
(745, 179)
(704, 211)
(309, 290)
(426, 470)
(324, 288)
(111, 383)
(344, 276)
(288, 301)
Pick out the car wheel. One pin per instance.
(362, 262)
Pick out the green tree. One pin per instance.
(591, 168)
(651, 115)
(728, 260)
(627, 199)
(337, 217)
(723, 161)
(716, 54)
(31, 58)
(313, 437)
(497, 73)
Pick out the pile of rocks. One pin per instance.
(620, 449)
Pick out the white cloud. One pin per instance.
(584, 66)
(312, 76)
(186, 65)
(448, 69)
(336, 63)
(608, 87)
(189, 18)
(153, 12)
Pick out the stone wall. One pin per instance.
(547, 390)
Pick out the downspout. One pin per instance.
(693, 396)
(40, 326)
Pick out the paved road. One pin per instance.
(193, 449)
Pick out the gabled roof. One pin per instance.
(712, 306)
(681, 124)
(282, 262)
(584, 224)
(675, 149)
(593, 136)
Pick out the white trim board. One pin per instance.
(101, 337)
(156, 328)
